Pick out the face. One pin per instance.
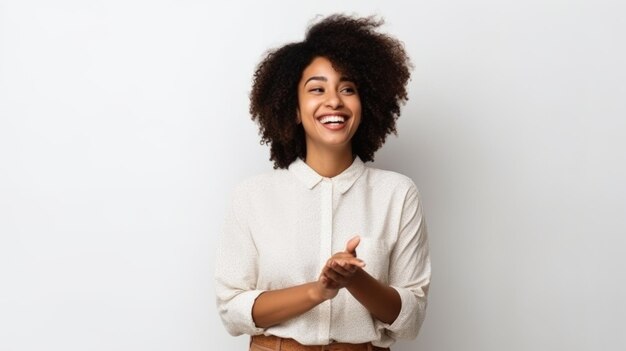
(329, 106)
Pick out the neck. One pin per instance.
(329, 162)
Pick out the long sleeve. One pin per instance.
(409, 270)
(236, 271)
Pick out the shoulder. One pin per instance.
(390, 180)
(260, 184)
(400, 187)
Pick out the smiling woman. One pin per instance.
(287, 270)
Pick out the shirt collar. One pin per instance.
(342, 181)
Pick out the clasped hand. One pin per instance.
(340, 269)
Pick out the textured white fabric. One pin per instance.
(283, 225)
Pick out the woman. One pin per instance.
(324, 250)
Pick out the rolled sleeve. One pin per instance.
(236, 272)
(410, 318)
(410, 270)
(236, 313)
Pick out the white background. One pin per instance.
(124, 126)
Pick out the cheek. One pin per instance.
(356, 110)
(306, 107)
(357, 123)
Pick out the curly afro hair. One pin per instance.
(375, 62)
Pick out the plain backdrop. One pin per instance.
(124, 127)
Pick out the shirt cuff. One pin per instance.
(404, 325)
(240, 319)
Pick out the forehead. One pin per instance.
(323, 67)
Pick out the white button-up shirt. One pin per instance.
(282, 227)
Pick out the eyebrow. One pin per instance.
(324, 79)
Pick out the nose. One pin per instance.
(334, 100)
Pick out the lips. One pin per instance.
(332, 118)
(333, 121)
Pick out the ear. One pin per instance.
(298, 117)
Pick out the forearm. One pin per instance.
(381, 300)
(276, 306)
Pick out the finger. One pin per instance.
(352, 264)
(334, 285)
(324, 281)
(345, 262)
(334, 276)
(352, 244)
(342, 268)
(352, 261)
(328, 273)
(327, 283)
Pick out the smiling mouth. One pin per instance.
(332, 119)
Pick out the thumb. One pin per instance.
(352, 244)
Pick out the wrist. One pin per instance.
(316, 293)
(357, 278)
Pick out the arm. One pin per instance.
(409, 269)
(381, 300)
(235, 279)
(276, 306)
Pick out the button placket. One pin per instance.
(326, 233)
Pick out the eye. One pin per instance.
(348, 90)
(316, 90)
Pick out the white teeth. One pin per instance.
(330, 119)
